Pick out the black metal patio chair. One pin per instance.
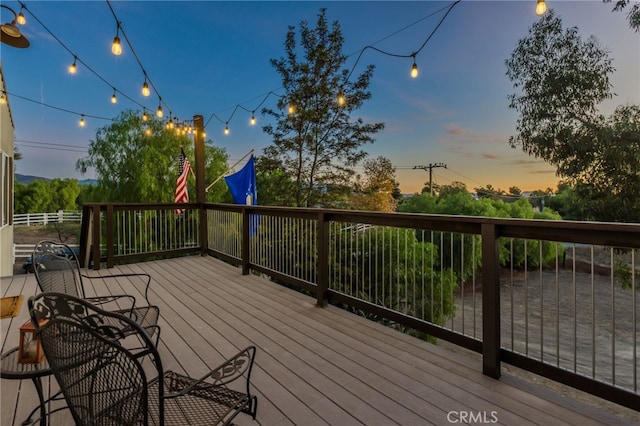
(57, 269)
(104, 383)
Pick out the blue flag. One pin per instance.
(242, 184)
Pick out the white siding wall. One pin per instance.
(6, 182)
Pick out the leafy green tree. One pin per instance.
(41, 196)
(275, 186)
(316, 141)
(132, 166)
(387, 268)
(374, 190)
(561, 80)
(633, 16)
(454, 188)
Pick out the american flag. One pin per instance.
(184, 168)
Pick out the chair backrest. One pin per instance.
(102, 381)
(57, 269)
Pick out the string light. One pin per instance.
(145, 117)
(116, 47)
(3, 99)
(226, 129)
(117, 50)
(145, 89)
(414, 69)
(73, 68)
(147, 131)
(82, 122)
(541, 7)
(341, 99)
(159, 112)
(20, 19)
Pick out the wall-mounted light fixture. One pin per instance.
(9, 32)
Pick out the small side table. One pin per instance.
(11, 369)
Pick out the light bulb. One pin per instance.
(73, 68)
(145, 117)
(159, 112)
(414, 70)
(341, 99)
(147, 131)
(145, 89)
(292, 109)
(170, 124)
(204, 134)
(3, 99)
(226, 130)
(116, 47)
(21, 19)
(541, 7)
(253, 120)
(82, 122)
(114, 99)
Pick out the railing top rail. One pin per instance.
(601, 233)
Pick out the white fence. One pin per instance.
(60, 216)
(24, 251)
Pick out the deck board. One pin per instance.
(314, 365)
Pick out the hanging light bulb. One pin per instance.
(145, 89)
(253, 119)
(82, 122)
(114, 99)
(226, 129)
(541, 7)
(292, 108)
(159, 112)
(145, 117)
(3, 99)
(73, 68)
(116, 47)
(341, 99)
(204, 134)
(20, 19)
(147, 131)
(414, 70)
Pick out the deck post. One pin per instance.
(490, 300)
(198, 142)
(323, 259)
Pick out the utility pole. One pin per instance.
(430, 167)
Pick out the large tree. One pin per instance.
(316, 141)
(561, 80)
(374, 190)
(633, 15)
(133, 166)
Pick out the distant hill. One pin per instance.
(27, 179)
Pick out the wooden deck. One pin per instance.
(314, 365)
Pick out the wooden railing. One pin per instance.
(514, 290)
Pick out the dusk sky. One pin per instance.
(207, 57)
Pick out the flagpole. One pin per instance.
(227, 171)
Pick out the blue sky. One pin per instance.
(207, 57)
